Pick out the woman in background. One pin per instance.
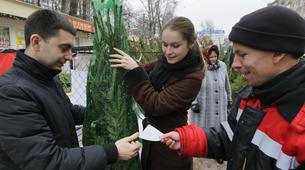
(214, 98)
(211, 105)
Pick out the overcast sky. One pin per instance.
(223, 13)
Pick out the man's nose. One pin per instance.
(69, 55)
(236, 63)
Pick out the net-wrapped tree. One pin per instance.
(109, 114)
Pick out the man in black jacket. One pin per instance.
(265, 129)
(37, 119)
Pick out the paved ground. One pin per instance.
(207, 164)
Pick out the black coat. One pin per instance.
(37, 123)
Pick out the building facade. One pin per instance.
(13, 14)
(297, 5)
(11, 33)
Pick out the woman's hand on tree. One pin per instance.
(122, 60)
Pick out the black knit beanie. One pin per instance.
(272, 28)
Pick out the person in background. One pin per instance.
(37, 119)
(165, 89)
(214, 98)
(210, 106)
(266, 127)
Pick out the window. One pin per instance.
(4, 37)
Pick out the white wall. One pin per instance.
(82, 38)
(13, 26)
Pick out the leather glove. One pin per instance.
(195, 108)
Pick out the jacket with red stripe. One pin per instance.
(265, 129)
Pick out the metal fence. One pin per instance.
(74, 79)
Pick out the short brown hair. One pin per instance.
(46, 23)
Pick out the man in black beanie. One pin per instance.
(266, 128)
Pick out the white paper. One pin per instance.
(151, 133)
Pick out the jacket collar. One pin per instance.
(279, 86)
(286, 91)
(34, 68)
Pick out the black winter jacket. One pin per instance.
(37, 123)
(256, 136)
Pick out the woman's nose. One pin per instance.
(168, 50)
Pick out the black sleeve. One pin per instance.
(77, 111)
(218, 142)
(27, 140)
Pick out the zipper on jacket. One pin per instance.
(244, 164)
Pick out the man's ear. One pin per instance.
(278, 56)
(35, 42)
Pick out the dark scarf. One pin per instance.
(213, 67)
(164, 70)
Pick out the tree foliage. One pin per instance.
(77, 8)
(237, 82)
(145, 49)
(110, 115)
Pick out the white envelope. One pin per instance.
(150, 133)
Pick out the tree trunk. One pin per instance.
(150, 17)
(73, 7)
(86, 4)
(64, 6)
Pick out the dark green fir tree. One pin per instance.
(109, 114)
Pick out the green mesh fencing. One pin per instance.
(109, 114)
